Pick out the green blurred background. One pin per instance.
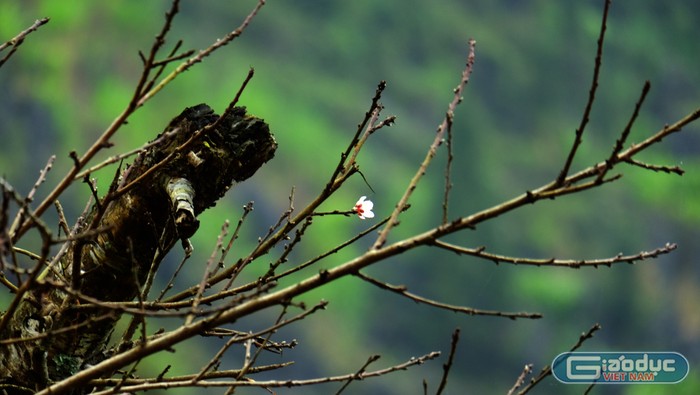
(317, 64)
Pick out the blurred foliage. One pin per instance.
(317, 64)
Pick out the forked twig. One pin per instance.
(30, 196)
(372, 112)
(620, 142)
(437, 141)
(448, 365)
(19, 39)
(591, 98)
(358, 374)
(184, 66)
(547, 370)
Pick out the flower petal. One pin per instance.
(367, 205)
(367, 214)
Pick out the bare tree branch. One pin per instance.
(19, 39)
(277, 383)
(561, 179)
(620, 142)
(521, 379)
(442, 129)
(547, 370)
(358, 375)
(448, 365)
(401, 290)
(480, 252)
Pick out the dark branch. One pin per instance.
(480, 252)
(401, 290)
(591, 98)
(547, 370)
(19, 39)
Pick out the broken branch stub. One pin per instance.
(196, 159)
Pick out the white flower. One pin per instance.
(363, 208)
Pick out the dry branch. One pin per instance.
(19, 39)
(547, 370)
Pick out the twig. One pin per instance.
(117, 158)
(184, 66)
(401, 290)
(591, 98)
(211, 263)
(521, 378)
(372, 126)
(547, 370)
(19, 39)
(159, 66)
(26, 253)
(269, 345)
(346, 213)
(447, 366)
(331, 251)
(210, 375)
(73, 234)
(125, 376)
(480, 252)
(370, 360)
(62, 222)
(620, 142)
(665, 169)
(250, 361)
(252, 338)
(448, 172)
(381, 239)
(92, 320)
(589, 388)
(171, 282)
(7, 283)
(353, 142)
(276, 383)
(5, 247)
(173, 58)
(658, 136)
(216, 359)
(247, 208)
(155, 48)
(30, 196)
(287, 249)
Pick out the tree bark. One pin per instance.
(189, 167)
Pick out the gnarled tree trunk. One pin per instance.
(154, 203)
